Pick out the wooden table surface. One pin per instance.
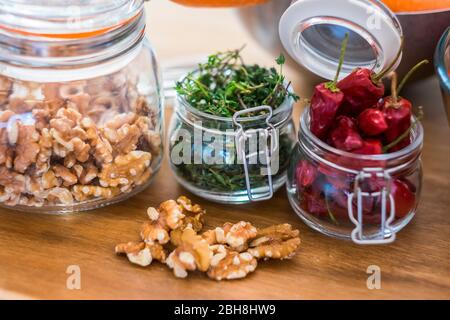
(36, 250)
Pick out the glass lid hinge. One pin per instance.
(386, 234)
(261, 143)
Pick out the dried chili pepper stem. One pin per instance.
(327, 100)
(377, 77)
(410, 73)
(394, 92)
(330, 213)
(398, 113)
(332, 86)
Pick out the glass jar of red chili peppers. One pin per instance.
(356, 171)
(366, 198)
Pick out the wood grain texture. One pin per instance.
(35, 250)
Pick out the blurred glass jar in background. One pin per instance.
(80, 104)
(442, 64)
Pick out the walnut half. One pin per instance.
(169, 216)
(235, 235)
(227, 264)
(275, 242)
(141, 253)
(192, 254)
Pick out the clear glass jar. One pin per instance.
(231, 160)
(366, 198)
(80, 104)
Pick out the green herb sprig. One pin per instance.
(225, 84)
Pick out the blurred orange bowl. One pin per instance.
(417, 5)
(395, 5)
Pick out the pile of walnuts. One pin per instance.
(224, 253)
(74, 142)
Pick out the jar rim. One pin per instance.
(415, 145)
(36, 43)
(286, 106)
(312, 31)
(59, 20)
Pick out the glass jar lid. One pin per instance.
(66, 18)
(312, 31)
(42, 40)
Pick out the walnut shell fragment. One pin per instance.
(227, 264)
(275, 242)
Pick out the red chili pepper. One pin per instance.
(313, 203)
(346, 162)
(339, 197)
(403, 192)
(324, 107)
(361, 91)
(410, 185)
(368, 204)
(326, 101)
(372, 218)
(370, 147)
(405, 199)
(306, 173)
(339, 181)
(345, 135)
(398, 112)
(363, 88)
(338, 203)
(372, 122)
(398, 118)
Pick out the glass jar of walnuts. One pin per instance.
(80, 104)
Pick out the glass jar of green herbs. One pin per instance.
(231, 134)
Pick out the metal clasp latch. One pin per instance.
(270, 136)
(387, 233)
